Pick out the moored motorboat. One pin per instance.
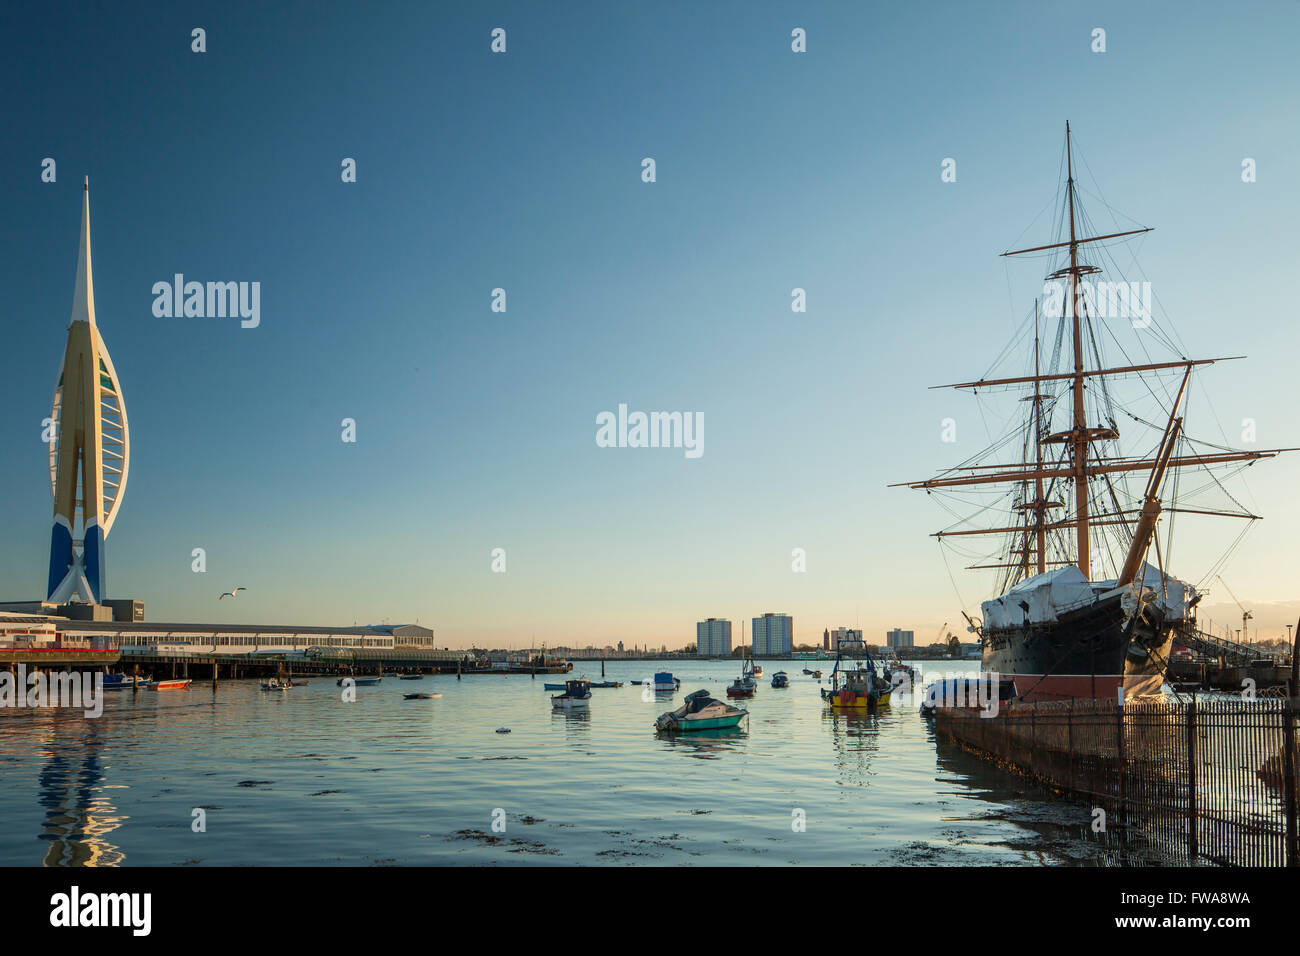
(700, 712)
(607, 683)
(169, 684)
(746, 683)
(421, 696)
(666, 681)
(360, 681)
(577, 695)
(902, 676)
(411, 677)
(780, 679)
(276, 683)
(124, 681)
(742, 687)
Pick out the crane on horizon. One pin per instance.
(1245, 615)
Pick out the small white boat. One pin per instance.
(576, 696)
(276, 683)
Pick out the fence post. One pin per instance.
(1192, 813)
(1289, 779)
(1033, 761)
(1119, 752)
(1069, 744)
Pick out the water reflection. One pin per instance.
(575, 723)
(200, 748)
(1054, 828)
(855, 739)
(79, 815)
(707, 744)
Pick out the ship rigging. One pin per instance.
(1080, 599)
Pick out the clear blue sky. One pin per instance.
(476, 429)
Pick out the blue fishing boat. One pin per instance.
(666, 681)
(124, 681)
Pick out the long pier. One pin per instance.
(1211, 675)
(60, 657)
(236, 666)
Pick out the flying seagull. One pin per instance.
(231, 593)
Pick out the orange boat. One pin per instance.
(170, 684)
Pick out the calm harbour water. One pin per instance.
(302, 778)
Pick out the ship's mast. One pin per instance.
(1080, 437)
(1035, 509)
(1040, 516)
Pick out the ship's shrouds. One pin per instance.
(90, 450)
(1066, 509)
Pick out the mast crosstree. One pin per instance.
(1078, 455)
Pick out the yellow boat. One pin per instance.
(853, 699)
(858, 689)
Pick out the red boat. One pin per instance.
(170, 684)
(741, 687)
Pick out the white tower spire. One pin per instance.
(83, 297)
(90, 454)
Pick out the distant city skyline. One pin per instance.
(410, 429)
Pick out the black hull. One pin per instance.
(1088, 652)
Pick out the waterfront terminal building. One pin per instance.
(46, 628)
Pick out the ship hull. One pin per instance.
(1092, 651)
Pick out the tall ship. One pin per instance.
(1081, 528)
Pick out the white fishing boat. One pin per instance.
(576, 696)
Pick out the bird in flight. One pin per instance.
(231, 593)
